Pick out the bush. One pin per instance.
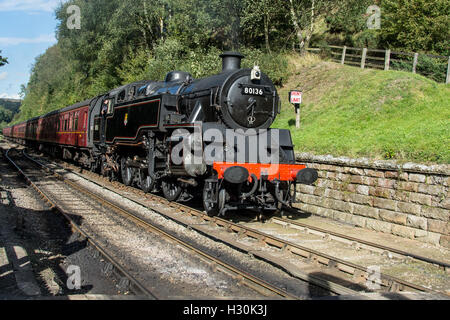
(432, 68)
(274, 65)
(171, 55)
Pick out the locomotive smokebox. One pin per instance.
(231, 61)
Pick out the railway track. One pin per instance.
(115, 267)
(336, 275)
(359, 243)
(244, 278)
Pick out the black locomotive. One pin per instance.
(208, 137)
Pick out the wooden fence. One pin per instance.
(377, 58)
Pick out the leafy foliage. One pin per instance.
(3, 61)
(417, 25)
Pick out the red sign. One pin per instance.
(295, 97)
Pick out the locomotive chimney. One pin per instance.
(231, 61)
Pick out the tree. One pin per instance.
(416, 25)
(305, 13)
(3, 61)
(261, 15)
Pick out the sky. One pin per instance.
(27, 29)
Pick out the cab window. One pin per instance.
(110, 106)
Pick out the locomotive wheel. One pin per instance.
(211, 208)
(146, 182)
(171, 189)
(127, 173)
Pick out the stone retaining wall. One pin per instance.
(408, 200)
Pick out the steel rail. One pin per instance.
(359, 273)
(283, 221)
(249, 280)
(135, 286)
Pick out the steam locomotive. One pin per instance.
(207, 138)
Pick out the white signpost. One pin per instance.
(295, 97)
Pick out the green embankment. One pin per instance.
(371, 113)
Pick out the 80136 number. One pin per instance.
(253, 91)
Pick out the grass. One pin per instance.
(348, 111)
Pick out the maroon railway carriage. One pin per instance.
(58, 130)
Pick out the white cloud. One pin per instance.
(8, 96)
(29, 5)
(3, 75)
(49, 38)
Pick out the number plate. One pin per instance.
(253, 91)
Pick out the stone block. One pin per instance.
(401, 195)
(420, 198)
(306, 189)
(408, 207)
(391, 216)
(319, 191)
(374, 173)
(341, 206)
(331, 175)
(415, 177)
(351, 188)
(358, 221)
(381, 192)
(366, 211)
(362, 189)
(357, 179)
(402, 231)
(408, 186)
(420, 234)
(431, 237)
(417, 222)
(341, 216)
(435, 213)
(378, 225)
(431, 189)
(386, 183)
(357, 171)
(434, 179)
(445, 241)
(391, 175)
(361, 199)
(403, 176)
(438, 226)
(335, 194)
(385, 204)
(343, 177)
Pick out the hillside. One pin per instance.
(352, 112)
(8, 109)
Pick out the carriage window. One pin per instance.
(65, 125)
(76, 121)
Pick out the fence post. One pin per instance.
(363, 58)
(447, 81)
(387, 59)
(416, 56)
(344, 51)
